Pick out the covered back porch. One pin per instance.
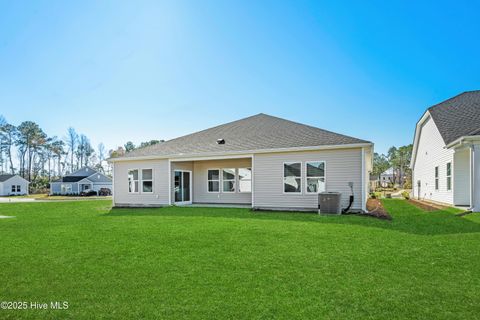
(217, 181)
(466, 176)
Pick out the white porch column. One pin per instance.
(475, 177)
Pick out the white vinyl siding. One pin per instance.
(158, 197)
(12, 185)
(430, 154)
(342, 166)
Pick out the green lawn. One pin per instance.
(206, 263)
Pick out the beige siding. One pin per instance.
(160, 184)
(200, 193)
(431, 153)
(342, 166)
(461, 188)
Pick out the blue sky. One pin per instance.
(119, 71)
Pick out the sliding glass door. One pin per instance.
(183, 187)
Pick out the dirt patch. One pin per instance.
(375, 209)
(426, 206)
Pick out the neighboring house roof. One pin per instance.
(71, 179)
(458, 116)
(259, 132)
(94, 176)
(5, 177)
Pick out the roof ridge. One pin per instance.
(196, 132)
(452, 98)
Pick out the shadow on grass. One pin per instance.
(406, 217)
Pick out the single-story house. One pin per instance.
(261, 161)
(12, 184)
(446, 152)
(84, 180)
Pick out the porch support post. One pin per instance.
(169, 182)
(253, 180)
(363, 186)
(475, 177)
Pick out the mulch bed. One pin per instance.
(426, 206)
(375, 209)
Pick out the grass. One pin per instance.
(214, 263)
(46, 196)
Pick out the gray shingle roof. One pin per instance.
(5, 177)
(458, 116)
(257, 132)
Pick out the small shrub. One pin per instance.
(406, 195)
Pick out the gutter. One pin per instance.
(462, 140)
(246, 153)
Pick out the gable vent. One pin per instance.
(220, 141)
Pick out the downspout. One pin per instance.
(472, 178)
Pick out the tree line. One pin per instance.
(28, 151)
(399, 160)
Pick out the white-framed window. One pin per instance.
(228, 180)
(436, 178)
(213, 180)
(147, 180)
(244, 179)
(19, 188)
(133, 180)
(66, 188)
(449, 176)
(315, 174)
(14, 188)
(292, 177)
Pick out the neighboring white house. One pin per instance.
(11, 184)
(446, 152)
(387, 178)
(261, 161)
(84, 180)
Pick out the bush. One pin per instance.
(105, 192)
(406, 195)
(88, 194)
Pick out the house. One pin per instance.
(12, 184)
(387, 178)
(261, 161)
(446, 152)
(84, 180)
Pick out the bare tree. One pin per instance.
(72, 142)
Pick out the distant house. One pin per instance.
(84, 180)
(387, 178)
(446, 152)
(11, 184)
(261, 161)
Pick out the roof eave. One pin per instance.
(416, 136)
(246, 152)
(463, 140)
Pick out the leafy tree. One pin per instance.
(380, 164)
(129, 146)
(31, 139)
(150, 143)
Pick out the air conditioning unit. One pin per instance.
(329, 203)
